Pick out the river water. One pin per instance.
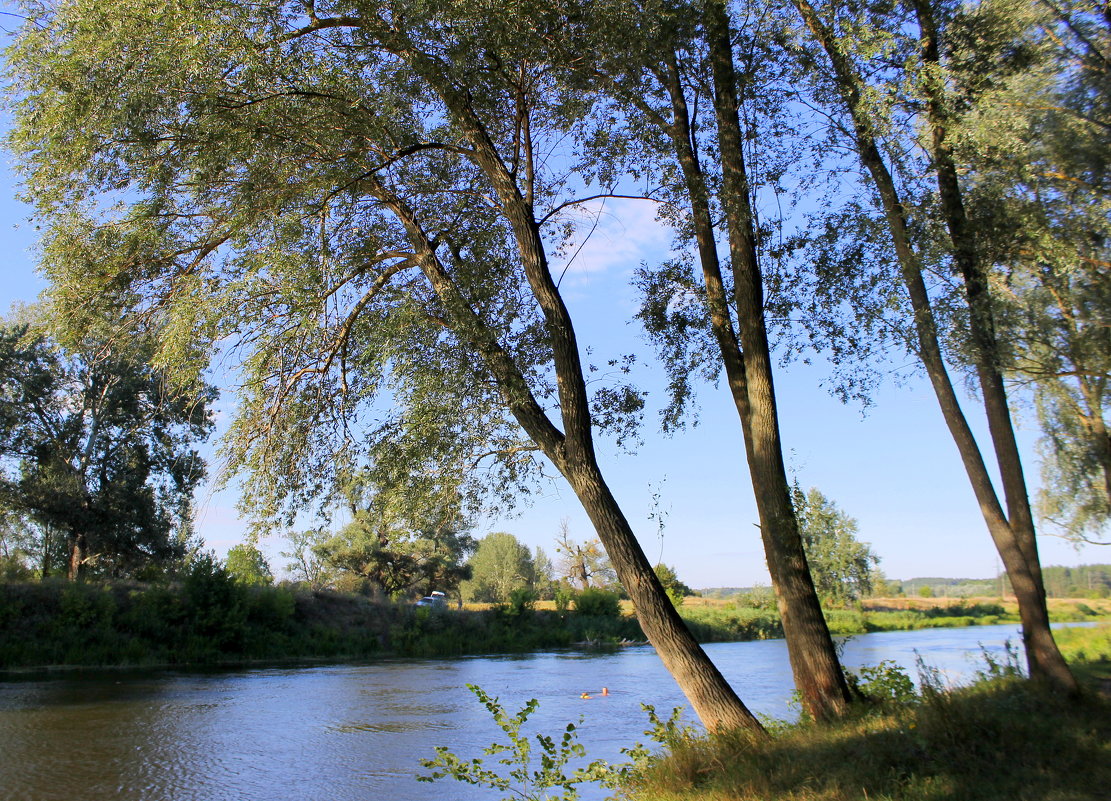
(341, 733)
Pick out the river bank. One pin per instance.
(1000, 738)
(206, 620)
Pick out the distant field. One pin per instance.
(1068, 606)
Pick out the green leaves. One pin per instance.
(524, 778)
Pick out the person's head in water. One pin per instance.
(605, 691)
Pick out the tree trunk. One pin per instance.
(714, 700)
(711, 696)
(78, 555)
(1016, 556)
(1044, 658)
(818, 674)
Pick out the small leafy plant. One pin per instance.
(524, 779)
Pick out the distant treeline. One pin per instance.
(1086, 581)
(209, 618)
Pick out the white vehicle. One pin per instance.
(436, 599)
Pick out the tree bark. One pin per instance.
(818, 675)
(1017, 554)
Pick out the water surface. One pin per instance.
(340, 733)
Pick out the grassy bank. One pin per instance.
(725, 622)
(207, 619)
(1001, 739)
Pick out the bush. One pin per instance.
(598, 603)
(522, 600)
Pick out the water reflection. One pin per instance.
(358, 732)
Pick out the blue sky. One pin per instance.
(893, 468)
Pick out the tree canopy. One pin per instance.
(94, 445)
(500, 565)
(844, 568)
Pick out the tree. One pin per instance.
(94, 444)
(585, 563)
(676, 589)
(246, 565)
(887, 137)
(500, 565)
(671, 62)
(306, 563)
(1044, 192)
(363, 200)
(544, 583)
(17, 547)
(397, 543)
(844, 568)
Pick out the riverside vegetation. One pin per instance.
(209, 618)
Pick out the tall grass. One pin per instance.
(1002, 739)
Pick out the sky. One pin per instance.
(893, 467)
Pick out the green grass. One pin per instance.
(1002, 739)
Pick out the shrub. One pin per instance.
(563, 598)
(521, 600)
(598, 602)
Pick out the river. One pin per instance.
(347, 732)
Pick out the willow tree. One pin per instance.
(708, 313)
(359, 199)
(1041, 145)
(894, 74)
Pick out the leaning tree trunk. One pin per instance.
(714, 700)
(1025, 578)
(572, 450)
(1044, 658)
(817, 670)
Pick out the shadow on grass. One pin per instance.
(1000, 740)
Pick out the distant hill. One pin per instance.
(1086, 581)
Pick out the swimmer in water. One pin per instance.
(605, 691)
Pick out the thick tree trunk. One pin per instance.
(78, 555)
(818, 674)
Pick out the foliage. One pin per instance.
(500, 566)
(307, 563)
(544, 580)
(524, 778)
(886, 684)
(246, 565)
(96, 446)
(843, 567)
(17, 547)
(402, 544)
(676, 589)
(1035, 141)
(522, 601)
(598, 603)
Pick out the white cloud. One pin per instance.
(614, 234)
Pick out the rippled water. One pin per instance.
(358, 731)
